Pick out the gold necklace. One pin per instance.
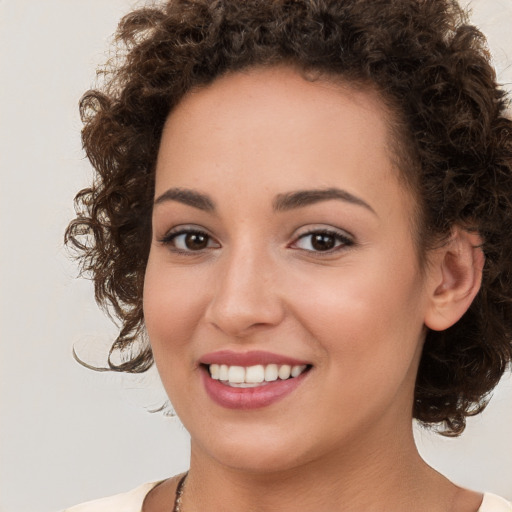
(179, 493)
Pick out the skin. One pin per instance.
(358, 313)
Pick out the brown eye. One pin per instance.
(189, 241)
(323, 241)
(195, 241)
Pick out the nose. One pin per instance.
(246, 294)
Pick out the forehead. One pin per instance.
(271, 129)
(264, 96)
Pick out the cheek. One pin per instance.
(172, 311)
(369, 324)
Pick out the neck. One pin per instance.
(362, 477)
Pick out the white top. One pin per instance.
(132, 502)
(127, 502)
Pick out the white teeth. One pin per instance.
(215, 371)
(271, 372)
(297, 370)
(284, 371)
(251, 376)
(244, 384)
(236, 374)
(223, 372)
(255, 374)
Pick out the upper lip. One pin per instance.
(250, 358)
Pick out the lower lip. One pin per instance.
(249, 398)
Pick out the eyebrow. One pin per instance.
(301, 198)
(282, 202)
(188, 197)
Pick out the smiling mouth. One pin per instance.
(254, 376)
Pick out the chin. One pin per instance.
(256, 460)
(254, 452)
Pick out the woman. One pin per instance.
(301, 214)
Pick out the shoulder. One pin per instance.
(493, 503)
(126, 502)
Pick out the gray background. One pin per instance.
(69, 434)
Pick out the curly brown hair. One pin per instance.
(424, 59)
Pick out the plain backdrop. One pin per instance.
(69, 434)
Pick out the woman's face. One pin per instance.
(282, 241)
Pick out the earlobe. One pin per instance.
(455, 278)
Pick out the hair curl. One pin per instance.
(421, 55)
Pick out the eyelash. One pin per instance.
(170, 238)
(342, 240)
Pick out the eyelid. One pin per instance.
(341, 235)
(185, 229)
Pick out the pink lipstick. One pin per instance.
(250, 380)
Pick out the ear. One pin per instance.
(454, 278)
